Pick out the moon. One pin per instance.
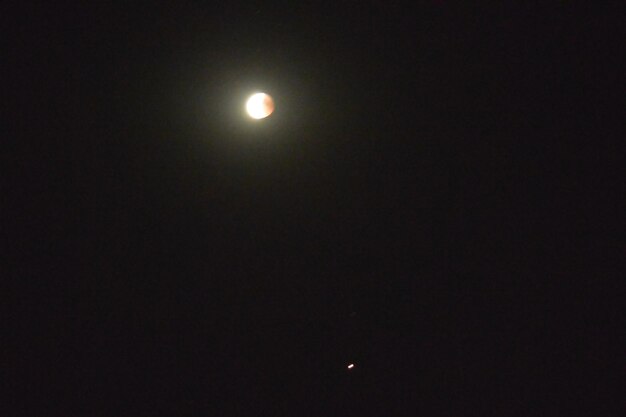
(260, 105)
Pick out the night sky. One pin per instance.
(434, 199)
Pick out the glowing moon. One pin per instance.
(260, 105)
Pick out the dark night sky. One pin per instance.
(434, 199)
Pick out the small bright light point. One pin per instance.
(260, 105)
(351, 366)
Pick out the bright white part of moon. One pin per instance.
(260, 105)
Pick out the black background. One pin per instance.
(435, 199)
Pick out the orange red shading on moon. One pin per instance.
(260, 105)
